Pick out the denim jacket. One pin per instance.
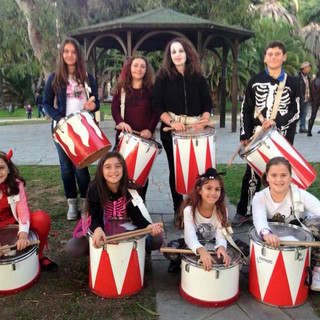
(60, 112)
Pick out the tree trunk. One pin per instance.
(27, 6)
(1, 90)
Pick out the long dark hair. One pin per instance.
(192, 67)
(60, 79)
(100, 183)
(125, 77)
(272, 162)
(13, 175)
(194, 198)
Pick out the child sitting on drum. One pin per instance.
(204, 215)
(277, 202)
(109, 205)
(14, 209)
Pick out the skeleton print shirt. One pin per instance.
(261, 92)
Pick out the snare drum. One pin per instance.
(18, 269)
(193, 153)
(216, 288)
(117, 270)
(272, 144)
(280, 277)
(139, 155)
(81, 139)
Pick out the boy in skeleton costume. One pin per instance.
(256, 111)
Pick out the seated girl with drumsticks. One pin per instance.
(284, 202)
(14, 209)
(108, 206)
(204, 215)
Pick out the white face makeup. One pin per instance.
(178, 55)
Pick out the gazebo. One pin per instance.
(151, 30)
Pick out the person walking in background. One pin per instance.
(260, 94)
(305, 84)
(29, 111)
(135, 113)
(67, 85)
(38, 103)
(315, 101)
(180, 96)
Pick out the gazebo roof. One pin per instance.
(161, 20)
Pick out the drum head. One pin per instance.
(137, 138)
(218, 263)
(9, 235)
(193, 133)
(284, 232)
(262, 136)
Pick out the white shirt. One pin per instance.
(76, 96)
(263, 207)
(207, 228)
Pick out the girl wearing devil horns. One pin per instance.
(14, 209)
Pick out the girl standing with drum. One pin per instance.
(109, 206)
(14, 209)
(131, 103)
(66, 92)
(276, 203)
(180, 96)
(204, 215)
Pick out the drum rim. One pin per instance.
(146, 141)
(90, 234)
(256, 146)
(175, 134)
(29, 250)
(233, 264)
(282, 248)
(71, 115)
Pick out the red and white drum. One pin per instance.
(117, 270)
(139, 155)
(81, 138)
(193, 152)
(216, 288)
(18, 269)
(270, 144)
(280, 277)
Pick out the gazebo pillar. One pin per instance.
(129, 43)
(234, 89)
(223, 87)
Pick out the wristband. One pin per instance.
(265, 231)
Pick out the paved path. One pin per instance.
(32, 144)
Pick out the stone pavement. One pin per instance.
(32, 144)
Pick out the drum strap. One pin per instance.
(275, 104)
(298, 208)
(227, 232)
(137, 201)
(122, 103)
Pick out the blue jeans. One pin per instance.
(69, 175)
(303, 114)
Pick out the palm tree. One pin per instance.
(311, 34)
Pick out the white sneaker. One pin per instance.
(315, 285)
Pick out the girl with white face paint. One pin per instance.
(180, 96)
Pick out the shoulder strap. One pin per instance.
(122, 103)
(298, 207)
(227, 232)
(278, 98)
(137, 201)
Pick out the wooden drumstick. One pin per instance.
(183, 251)
(301, 243)
(204, 124)
(125, 237)
(252, 140)
(229, 163)
(8, 247)
(133, 131)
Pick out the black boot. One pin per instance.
(310, 125)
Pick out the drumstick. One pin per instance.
(229, 163)
(133, 131)
(184, 251)
(140, 233)
(8, 247)
(252, 140)
(301, 243)
(204, 124)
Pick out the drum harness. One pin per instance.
(298, 207)
(227, 232)
(137, 201)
